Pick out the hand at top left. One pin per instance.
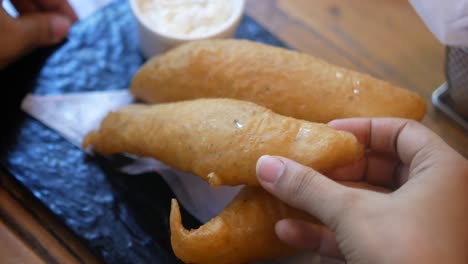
(40, 23)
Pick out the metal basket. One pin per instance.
(452, 97)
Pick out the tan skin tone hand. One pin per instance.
(40, 23)
(423, 219)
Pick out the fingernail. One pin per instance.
(59, 27)
(270, 169)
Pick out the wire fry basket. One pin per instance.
(452, 96)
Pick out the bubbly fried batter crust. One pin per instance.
(220, 140)
(243, 232)
(288, 82)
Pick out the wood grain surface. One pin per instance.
(13, 250)
(29, 233)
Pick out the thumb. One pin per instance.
(306, 189)
(42, 29)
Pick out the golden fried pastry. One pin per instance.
(243, 232)
(220, 140)
(287, 82)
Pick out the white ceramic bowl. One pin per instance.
(153, 42)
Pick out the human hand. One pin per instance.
(41, 23)
(424, 220)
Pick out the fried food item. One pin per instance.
(288, 82)
(243, 232)
(220, 140)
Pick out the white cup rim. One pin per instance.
(237, 14)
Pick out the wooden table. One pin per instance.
(29, 233)
(383, 38)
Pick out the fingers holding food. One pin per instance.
(243, 232)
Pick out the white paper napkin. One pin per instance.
(447, 19)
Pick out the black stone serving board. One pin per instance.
(122, 218)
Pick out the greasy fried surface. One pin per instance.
(288, 82)
(220, 140)
(243, 232)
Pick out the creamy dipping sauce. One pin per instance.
(186, 18)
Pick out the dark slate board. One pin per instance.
(122, 218)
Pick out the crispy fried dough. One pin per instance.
(243, 232)
(220, 140)
(288, 82)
